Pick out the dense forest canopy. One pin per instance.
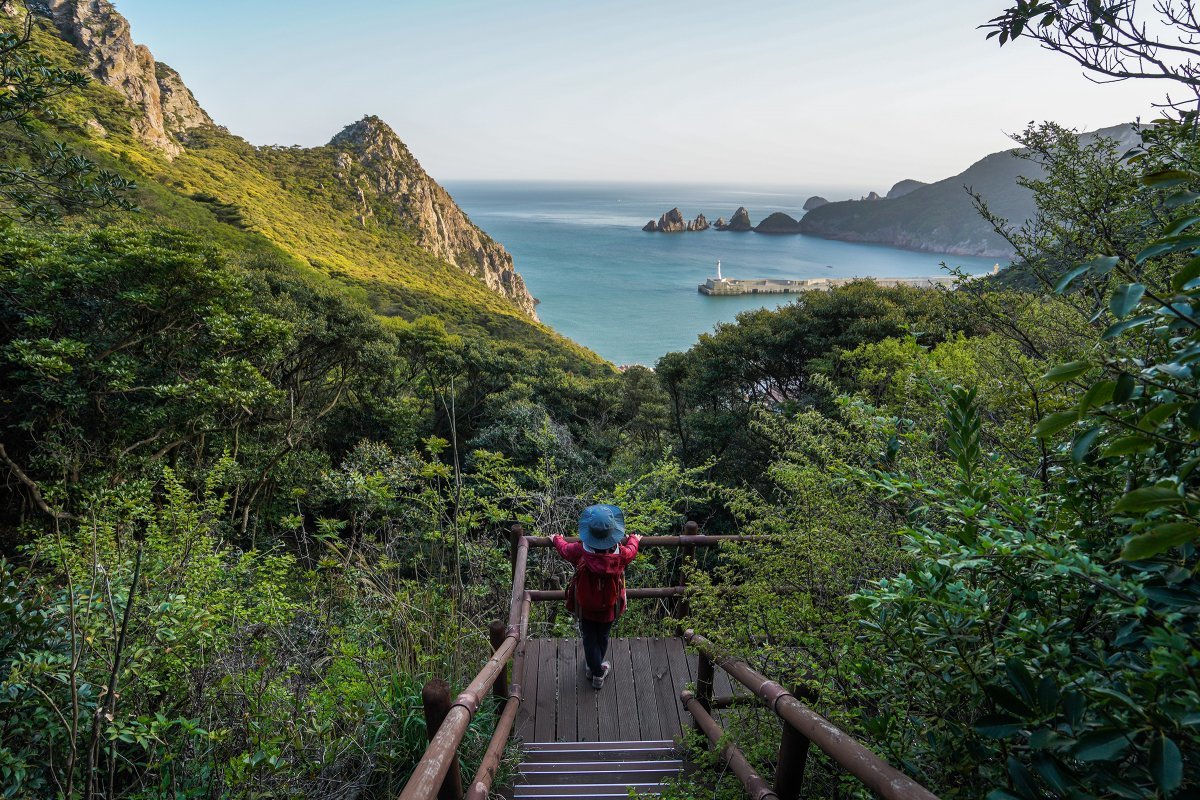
(249, 507)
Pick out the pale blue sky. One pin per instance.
(856, 93)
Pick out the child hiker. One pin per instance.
(596, 593)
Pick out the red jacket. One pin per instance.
(600, 563)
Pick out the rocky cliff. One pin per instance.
(384, 179)
(167, 110)
(816, 201)
(387, 181)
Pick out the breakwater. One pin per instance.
(719, 287)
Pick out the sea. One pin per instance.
(630, 295)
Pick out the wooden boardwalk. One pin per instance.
(639, 701)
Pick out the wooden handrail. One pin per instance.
(752, 782)
(666, 541)
(430, 772)
(875, 773)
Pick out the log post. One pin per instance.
(435, 698)
(686, 554)
(704, 683)
(793, 756)
(497, 633)
(514, 538)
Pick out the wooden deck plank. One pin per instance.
(587, 709)
(621, 680)
(665, 693)
(569, 676)
(528, 690)
(543, 728)
(681, 672)
(645, 698)
(606, 708)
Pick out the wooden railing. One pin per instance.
(437, 774)
(801, 726)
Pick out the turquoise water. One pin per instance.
(631, 296)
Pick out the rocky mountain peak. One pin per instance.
(168, 110)
(386, 180)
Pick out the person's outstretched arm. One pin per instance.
(571, 551)
(629, 548)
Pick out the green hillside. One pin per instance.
(941, 217)
(286, 202)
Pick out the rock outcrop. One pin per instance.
(720, 224)
(816, 201)
(872, 197)
(904, 187)
(672, 222)
(698, 224)
(778, 223)
(380, 172)
(740, 221)
(103, 37)
(651, 226)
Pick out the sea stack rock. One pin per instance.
(904, 187)
(740, 221)
(816, 201)
(650, 226)
(720, 224)
(698, 224)
(778, 223)
(672, 222)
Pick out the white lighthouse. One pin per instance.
(719, 270)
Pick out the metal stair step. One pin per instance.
(584, 790)
(529, 767)
(670, 752)
(559, 746)
(591, 776)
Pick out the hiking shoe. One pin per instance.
(598, 680)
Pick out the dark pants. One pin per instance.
(595, 643)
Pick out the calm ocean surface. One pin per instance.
(631, 296)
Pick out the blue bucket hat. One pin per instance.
(602, 527)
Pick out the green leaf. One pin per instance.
(1188, 272)
(1148, 498)
(1167, 177)
(1153, 419)
(1067, 371)
(1006, 700)
(1125, 386)
(997, 726)
(1047, 694)
(1180, 225)
(1126, 445)
(1159, 540)
(1082, 444)
(1022, 779)
(1117, 328)
(1066, 280)
(1166, 764)
(1102, 745)
(1053, 423)
(1019, 677)
(1098, 395)
(1125, 299)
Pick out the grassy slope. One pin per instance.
(286, 203)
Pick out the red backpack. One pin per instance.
(595, 596)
